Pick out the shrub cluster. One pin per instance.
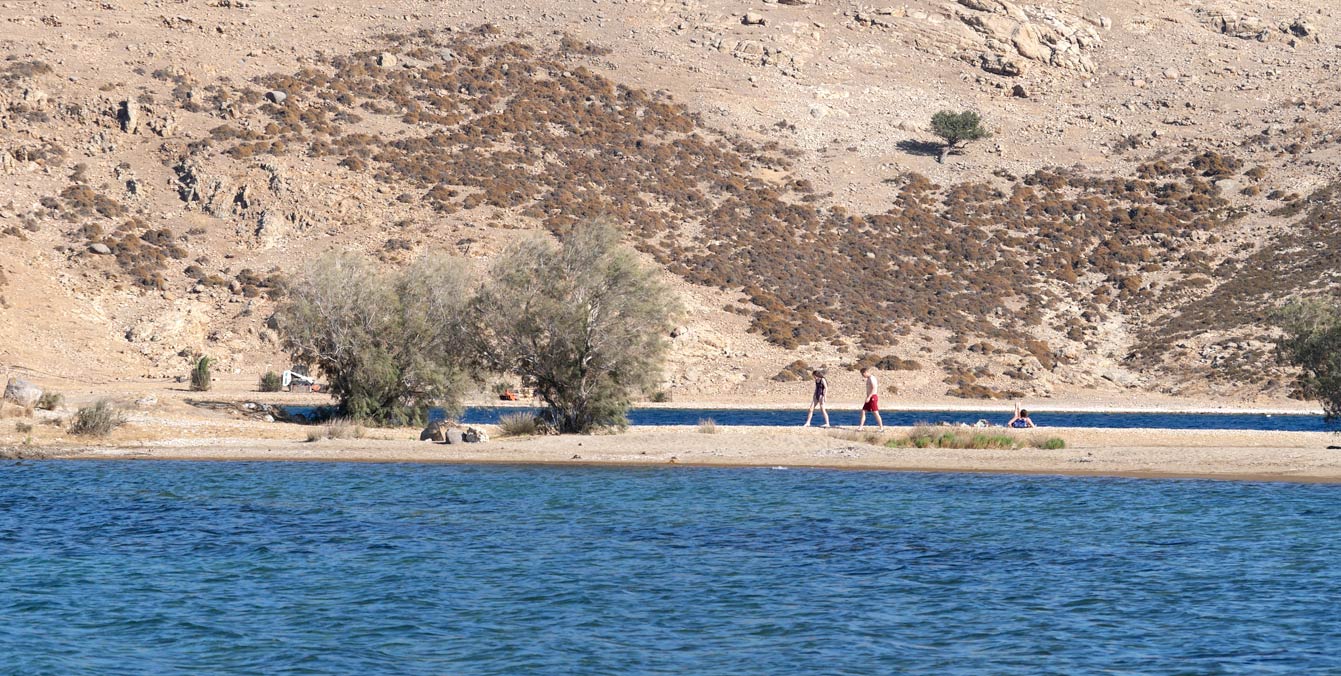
(797, 370)
(510, 126)
(519, 425)
(97, 420)
(481, 122)
(926, 436)
(202, 377)
(270, 382)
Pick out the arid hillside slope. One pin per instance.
(1160, 175)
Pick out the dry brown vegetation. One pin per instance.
(506, 125)
(1019, 268)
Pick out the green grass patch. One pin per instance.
(925, 436)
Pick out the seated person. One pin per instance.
(1021, 419)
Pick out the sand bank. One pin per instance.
(1246, 455)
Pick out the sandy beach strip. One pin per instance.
(1216, 454)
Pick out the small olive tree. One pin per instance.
(391, 343)
(957, 129)
(582, 321)
(1313, 343)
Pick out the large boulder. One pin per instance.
(22, 392)
(1028, 41)
(436, 431)
(993, 26)
(1001, 64)
(474, 435)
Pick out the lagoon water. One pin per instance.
(488, 415)
(850, 417)
(282, 568)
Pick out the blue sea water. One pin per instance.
(279, 568)
(485, 415)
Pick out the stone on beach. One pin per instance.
(22, 392)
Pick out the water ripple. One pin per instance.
(132, 568)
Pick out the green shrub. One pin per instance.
(97, 420)
(660, 397)
(1313, 344)
(957, 129)
(201, 378)
(23, 427)
(391, 344)
(924, 436)
(271, 382)
(50, 401)
(518, 425)
(1048, 443)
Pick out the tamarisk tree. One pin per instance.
(1313, 343)
(582, 321)
(391, 343)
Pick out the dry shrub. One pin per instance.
(50, 401)
(707, 426)
(797, 370)
(871, 437)
(270, 382)
(517, 125)
(338, 428)
(518, 425)
(97, 420)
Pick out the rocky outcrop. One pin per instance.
(1041, 35)
(999, 36)
(448, 432)
(1237, 25)
(1251, 27)
(1000, 64)
(128, 115)
(21, 392)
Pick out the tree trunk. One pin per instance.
(945, 150)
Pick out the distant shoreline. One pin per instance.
(1136, 454)
(946, 408)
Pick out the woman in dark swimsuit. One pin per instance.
(1021, 419)
(821, 391)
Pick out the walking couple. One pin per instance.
(871, 404)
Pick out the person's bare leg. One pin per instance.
(863, 419)
(811, 414)
(825, 411)
(878, 421)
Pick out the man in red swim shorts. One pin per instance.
(872, 400)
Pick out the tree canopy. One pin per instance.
(583, 322)
(1313, 343)
(391, 344)
(957, 129)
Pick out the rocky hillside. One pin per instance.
(1158, 178)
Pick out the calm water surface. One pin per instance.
(789, 418)
(134, 568)
(850, 416)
